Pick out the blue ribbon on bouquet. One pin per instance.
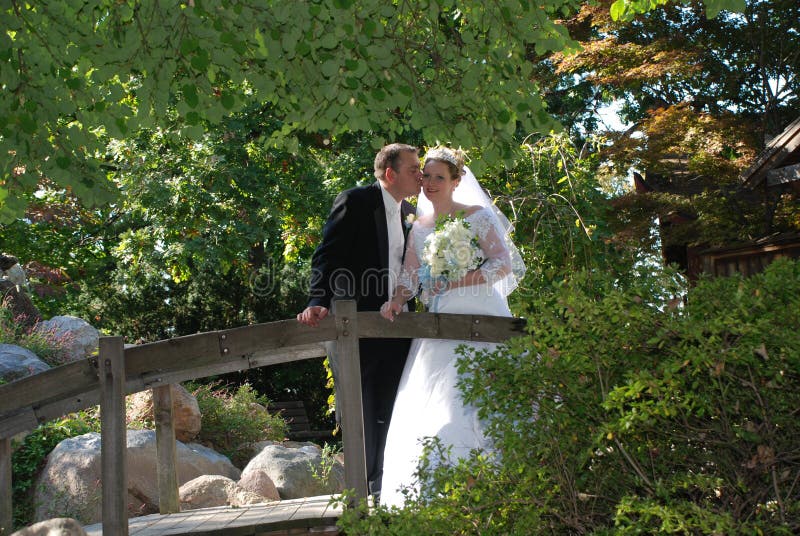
(427, 281)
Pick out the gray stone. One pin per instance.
(80, 338)
(17, 362)
(60, 526)
(298, 472)
(215, 490)
(16, 275)
(259, 482)
(70, 483)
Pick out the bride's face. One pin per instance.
(437, 181)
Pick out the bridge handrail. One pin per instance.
(27, 402)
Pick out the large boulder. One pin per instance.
(70, 483)
(185, 411)
(298, 472)
(17, 362)
(60, 526)
(79, 338)
(215, 490)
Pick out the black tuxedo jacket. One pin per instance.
(352, 260)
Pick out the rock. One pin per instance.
(70, 483)
(23, 311)
(292, 470)
(16, 275)
(17, 362)
(205, 491)
(59, 526)
(259, 482)
(7, 261)
(215, 490)
(185, 411)
(80, 339)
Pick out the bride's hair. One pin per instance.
(454, 158)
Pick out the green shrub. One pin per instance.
(29, 456)
(234, 418)
(626, 412)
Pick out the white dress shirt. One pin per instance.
(394, 225)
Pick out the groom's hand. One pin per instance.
(312, 315)
(391, 309)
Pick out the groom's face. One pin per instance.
(407, 175)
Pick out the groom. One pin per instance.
(362, 250)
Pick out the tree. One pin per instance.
(76, 72)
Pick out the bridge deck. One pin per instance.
(294, 516)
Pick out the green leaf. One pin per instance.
(190, 95)
(200, 60)
(63, 161)
(27, 123)
(329, 69)
(188, 45)
(227, 100)
(618, 10)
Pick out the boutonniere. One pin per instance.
(410, 220)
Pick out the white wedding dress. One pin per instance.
(429, 403)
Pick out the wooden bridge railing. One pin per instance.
(118, 371)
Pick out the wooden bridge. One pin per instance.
(118, 371)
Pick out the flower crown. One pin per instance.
(441, 154)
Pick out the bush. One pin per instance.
(48, 345)
(626, 412)
(29, 456)
(235, 418)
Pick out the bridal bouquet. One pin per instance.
(449, 253)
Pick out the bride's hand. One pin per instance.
(390, 309)
(440, 287)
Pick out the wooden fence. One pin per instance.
(118, 371)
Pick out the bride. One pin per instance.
(428, 402)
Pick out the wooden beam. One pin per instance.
(22, 421)
(113, 448)
(274, 336)
(442, 326)
(166, 451)
(6, 489)
(348, 396)
(53, 384)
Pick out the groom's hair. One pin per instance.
(388, 157)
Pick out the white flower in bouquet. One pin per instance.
(451, 251)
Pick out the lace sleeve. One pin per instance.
(409, 272)
(498, 258)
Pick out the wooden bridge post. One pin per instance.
(6, 490)
(166, 451)
(348, 394)
(113, 438)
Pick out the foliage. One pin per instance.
(728, 64)
(628, 9)
(76, 73)
(234, 419)
(631, 410)
(29, 456)
(558, 197)
(702, 96)
(47, 344)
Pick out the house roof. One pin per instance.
(784, 149)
